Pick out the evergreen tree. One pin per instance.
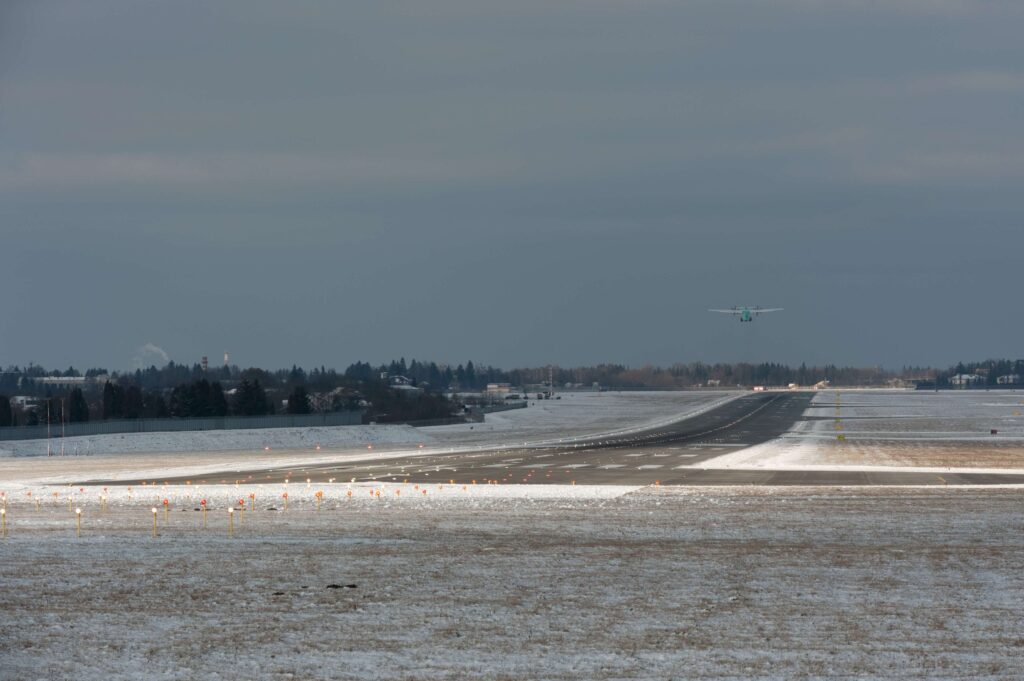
(113, 401)
(180, 404)
(78, 408)
(200, 397)
(132, 403)
(154, 406)
(298, 401)
(251, 399)
(6, 415)
(108, 401)
(218, 403)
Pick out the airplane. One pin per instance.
(747, 314)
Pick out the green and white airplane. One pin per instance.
(747, 314)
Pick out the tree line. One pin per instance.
(990, 370)
(180, 391)
(198, 399)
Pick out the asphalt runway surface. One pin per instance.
(669, 455)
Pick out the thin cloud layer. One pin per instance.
(517, 183)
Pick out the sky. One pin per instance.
(516, 183)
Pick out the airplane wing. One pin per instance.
(733, 311)
(759, 310)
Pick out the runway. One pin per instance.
(669, 455)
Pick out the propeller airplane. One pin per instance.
(747, 314)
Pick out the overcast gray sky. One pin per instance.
(517, 183)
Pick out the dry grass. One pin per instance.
(920, 453)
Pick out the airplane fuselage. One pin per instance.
(747, 314)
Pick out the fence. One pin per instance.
(449, 421)
(503, 406)
(336, 418)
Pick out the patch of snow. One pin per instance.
(220, 440)
(913, 431)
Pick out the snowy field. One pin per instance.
(555, 583)
(573, 415)
(914, 430)
(256, 439)
(161, 455)
(581, 414)
(449, 581)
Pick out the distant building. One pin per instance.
(69, 382)
(403, 383)
(966, 380)
(499, 390)
(1008, 379)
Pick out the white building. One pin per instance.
(499, 390)
(69, 382)
(964, 380)
(404, 384)
(1008, 379)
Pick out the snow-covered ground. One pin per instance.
(913, 430)
(581, 414)
(724, 583)
(256, 439)
(573, 415)
(450, 581)
(162, 455)
(921, 431)
(919, 415)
